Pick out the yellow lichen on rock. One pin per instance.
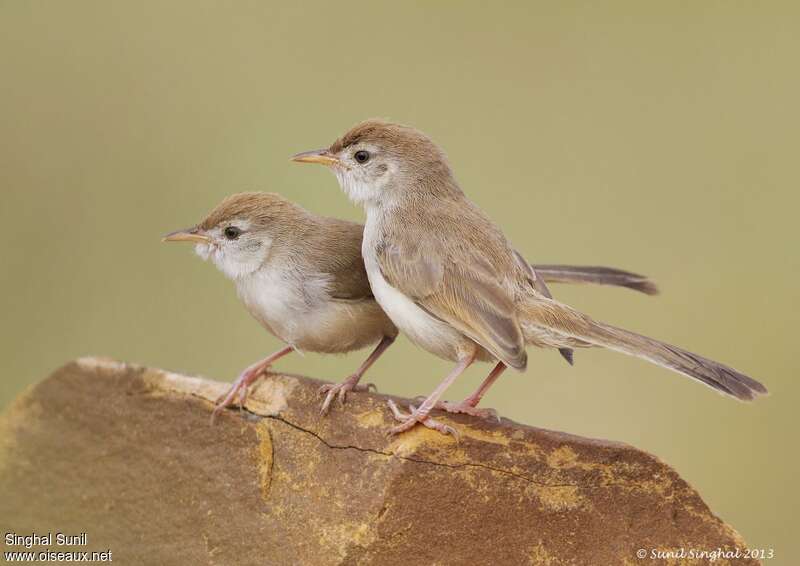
(264, 458)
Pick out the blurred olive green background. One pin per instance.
(661, 138)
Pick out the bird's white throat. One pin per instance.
(363, 189)
(234, 262)
(358, 190)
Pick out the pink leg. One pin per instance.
(245, 379)
(469, 405)
(420, 415)
(351, 383)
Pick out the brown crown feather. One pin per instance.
(260, 207)
(397, 138)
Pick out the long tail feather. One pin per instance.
(596, 275)
(545, 316)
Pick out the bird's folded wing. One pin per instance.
(348, 281)
(334, 250)
(537, 282)
(465, 294)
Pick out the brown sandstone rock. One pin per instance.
(126, 454)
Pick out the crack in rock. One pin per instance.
(295, 426)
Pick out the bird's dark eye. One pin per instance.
(232, 232)
(361, 156)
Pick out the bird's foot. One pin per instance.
(467, 408)
(340, 390)
(407, 421)
(237, 394)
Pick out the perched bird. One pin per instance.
(450, 280)
(302, 277)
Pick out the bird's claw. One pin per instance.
(407, 421)
(340, 390)
(236, 394)
(467, 408)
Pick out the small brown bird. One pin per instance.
(302, 277)
(448, 278)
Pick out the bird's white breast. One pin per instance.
(275, 299)
(297, 308)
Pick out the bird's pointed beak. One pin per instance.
(187, 235)
(321, 156)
